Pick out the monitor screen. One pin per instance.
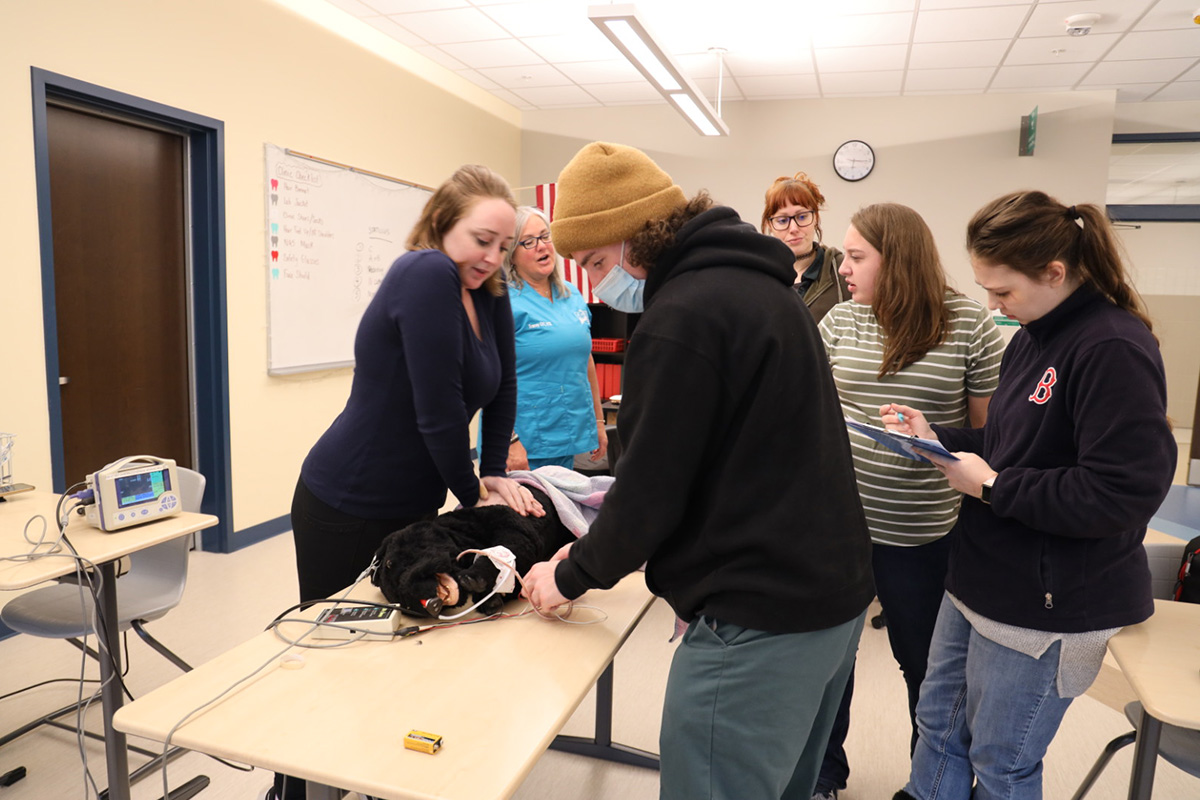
(145, 487)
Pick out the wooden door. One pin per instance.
(117, 203)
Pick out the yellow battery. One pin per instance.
(425, 742)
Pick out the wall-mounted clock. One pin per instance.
(853, 160)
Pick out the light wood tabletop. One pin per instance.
(497, 692)
(18, 524)
(91, 543)
(1161, 660)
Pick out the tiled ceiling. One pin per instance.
(538, 54)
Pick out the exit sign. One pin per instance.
(1028, 133)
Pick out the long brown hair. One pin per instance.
(798, 190)
(1026, 230)
(450, 202)
(910, 288)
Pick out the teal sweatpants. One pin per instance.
(748, 713)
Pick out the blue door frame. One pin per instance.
(206, 154)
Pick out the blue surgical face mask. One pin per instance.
(621, 290)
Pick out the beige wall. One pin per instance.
(271, 76)
(944, 156)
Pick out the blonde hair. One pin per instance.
(557, 287)
(450, 203)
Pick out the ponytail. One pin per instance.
(1027, 230)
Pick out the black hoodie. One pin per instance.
(736, 484)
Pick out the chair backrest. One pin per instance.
(158, 575)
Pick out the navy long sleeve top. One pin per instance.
(420, 375)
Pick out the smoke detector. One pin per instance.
(1081, 24)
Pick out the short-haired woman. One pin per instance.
(792, 214)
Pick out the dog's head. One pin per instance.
(416, 569)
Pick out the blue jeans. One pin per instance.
(747, 713)
(985, 717)
(910, 583)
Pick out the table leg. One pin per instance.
(116, 757)
(319, 791)
(601, 745)
(1145, 757)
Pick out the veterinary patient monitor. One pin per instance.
(133, 490)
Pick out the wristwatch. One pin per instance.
(985, 491)
(513, 439)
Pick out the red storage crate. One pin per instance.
(608, 345)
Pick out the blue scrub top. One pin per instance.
(555, 412)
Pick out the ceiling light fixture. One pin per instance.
(621, 24)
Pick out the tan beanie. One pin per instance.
(607, 193)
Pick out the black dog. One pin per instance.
(418, 565)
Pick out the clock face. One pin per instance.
(854, 160)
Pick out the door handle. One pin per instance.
(63, 380)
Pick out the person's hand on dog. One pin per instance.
(506, 491)
(539, 586)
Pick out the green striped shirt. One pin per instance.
(909, 502)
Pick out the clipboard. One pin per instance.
(905, 444)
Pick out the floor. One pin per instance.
(232, 597)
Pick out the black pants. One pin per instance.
(910, 582)
(332, 550)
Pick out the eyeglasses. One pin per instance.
(533, 241)
(802, 220)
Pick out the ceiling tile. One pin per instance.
(952, 55)
(551, 96)
(1040, 50)
(639, 93)
(526, 76)
(408, 6)
(399, 33)
(861, 82)
(502, 53)
(589, 72)
(1153, 70)
(479, 79)
(761, 87)
(1169, 15)
(1158, 44)
(1115, 16)
(436, 54)
(701, 65)
(847, 7)
(355, 7)
(708, 88)
(454, 25)
(1192, 74)
(942, 4)
(853, 31)
(861, 59)
(966, 24)
(513, 100)
(590, 46)
(1047, 78)
(540, 17)
(973, 80)
(767, 63)
(1180, 90)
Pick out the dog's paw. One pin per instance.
(493, 605)
(479, 579)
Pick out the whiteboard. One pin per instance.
(332, 233)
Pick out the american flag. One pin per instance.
(572, 273)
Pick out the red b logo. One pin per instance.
(1041, 394)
